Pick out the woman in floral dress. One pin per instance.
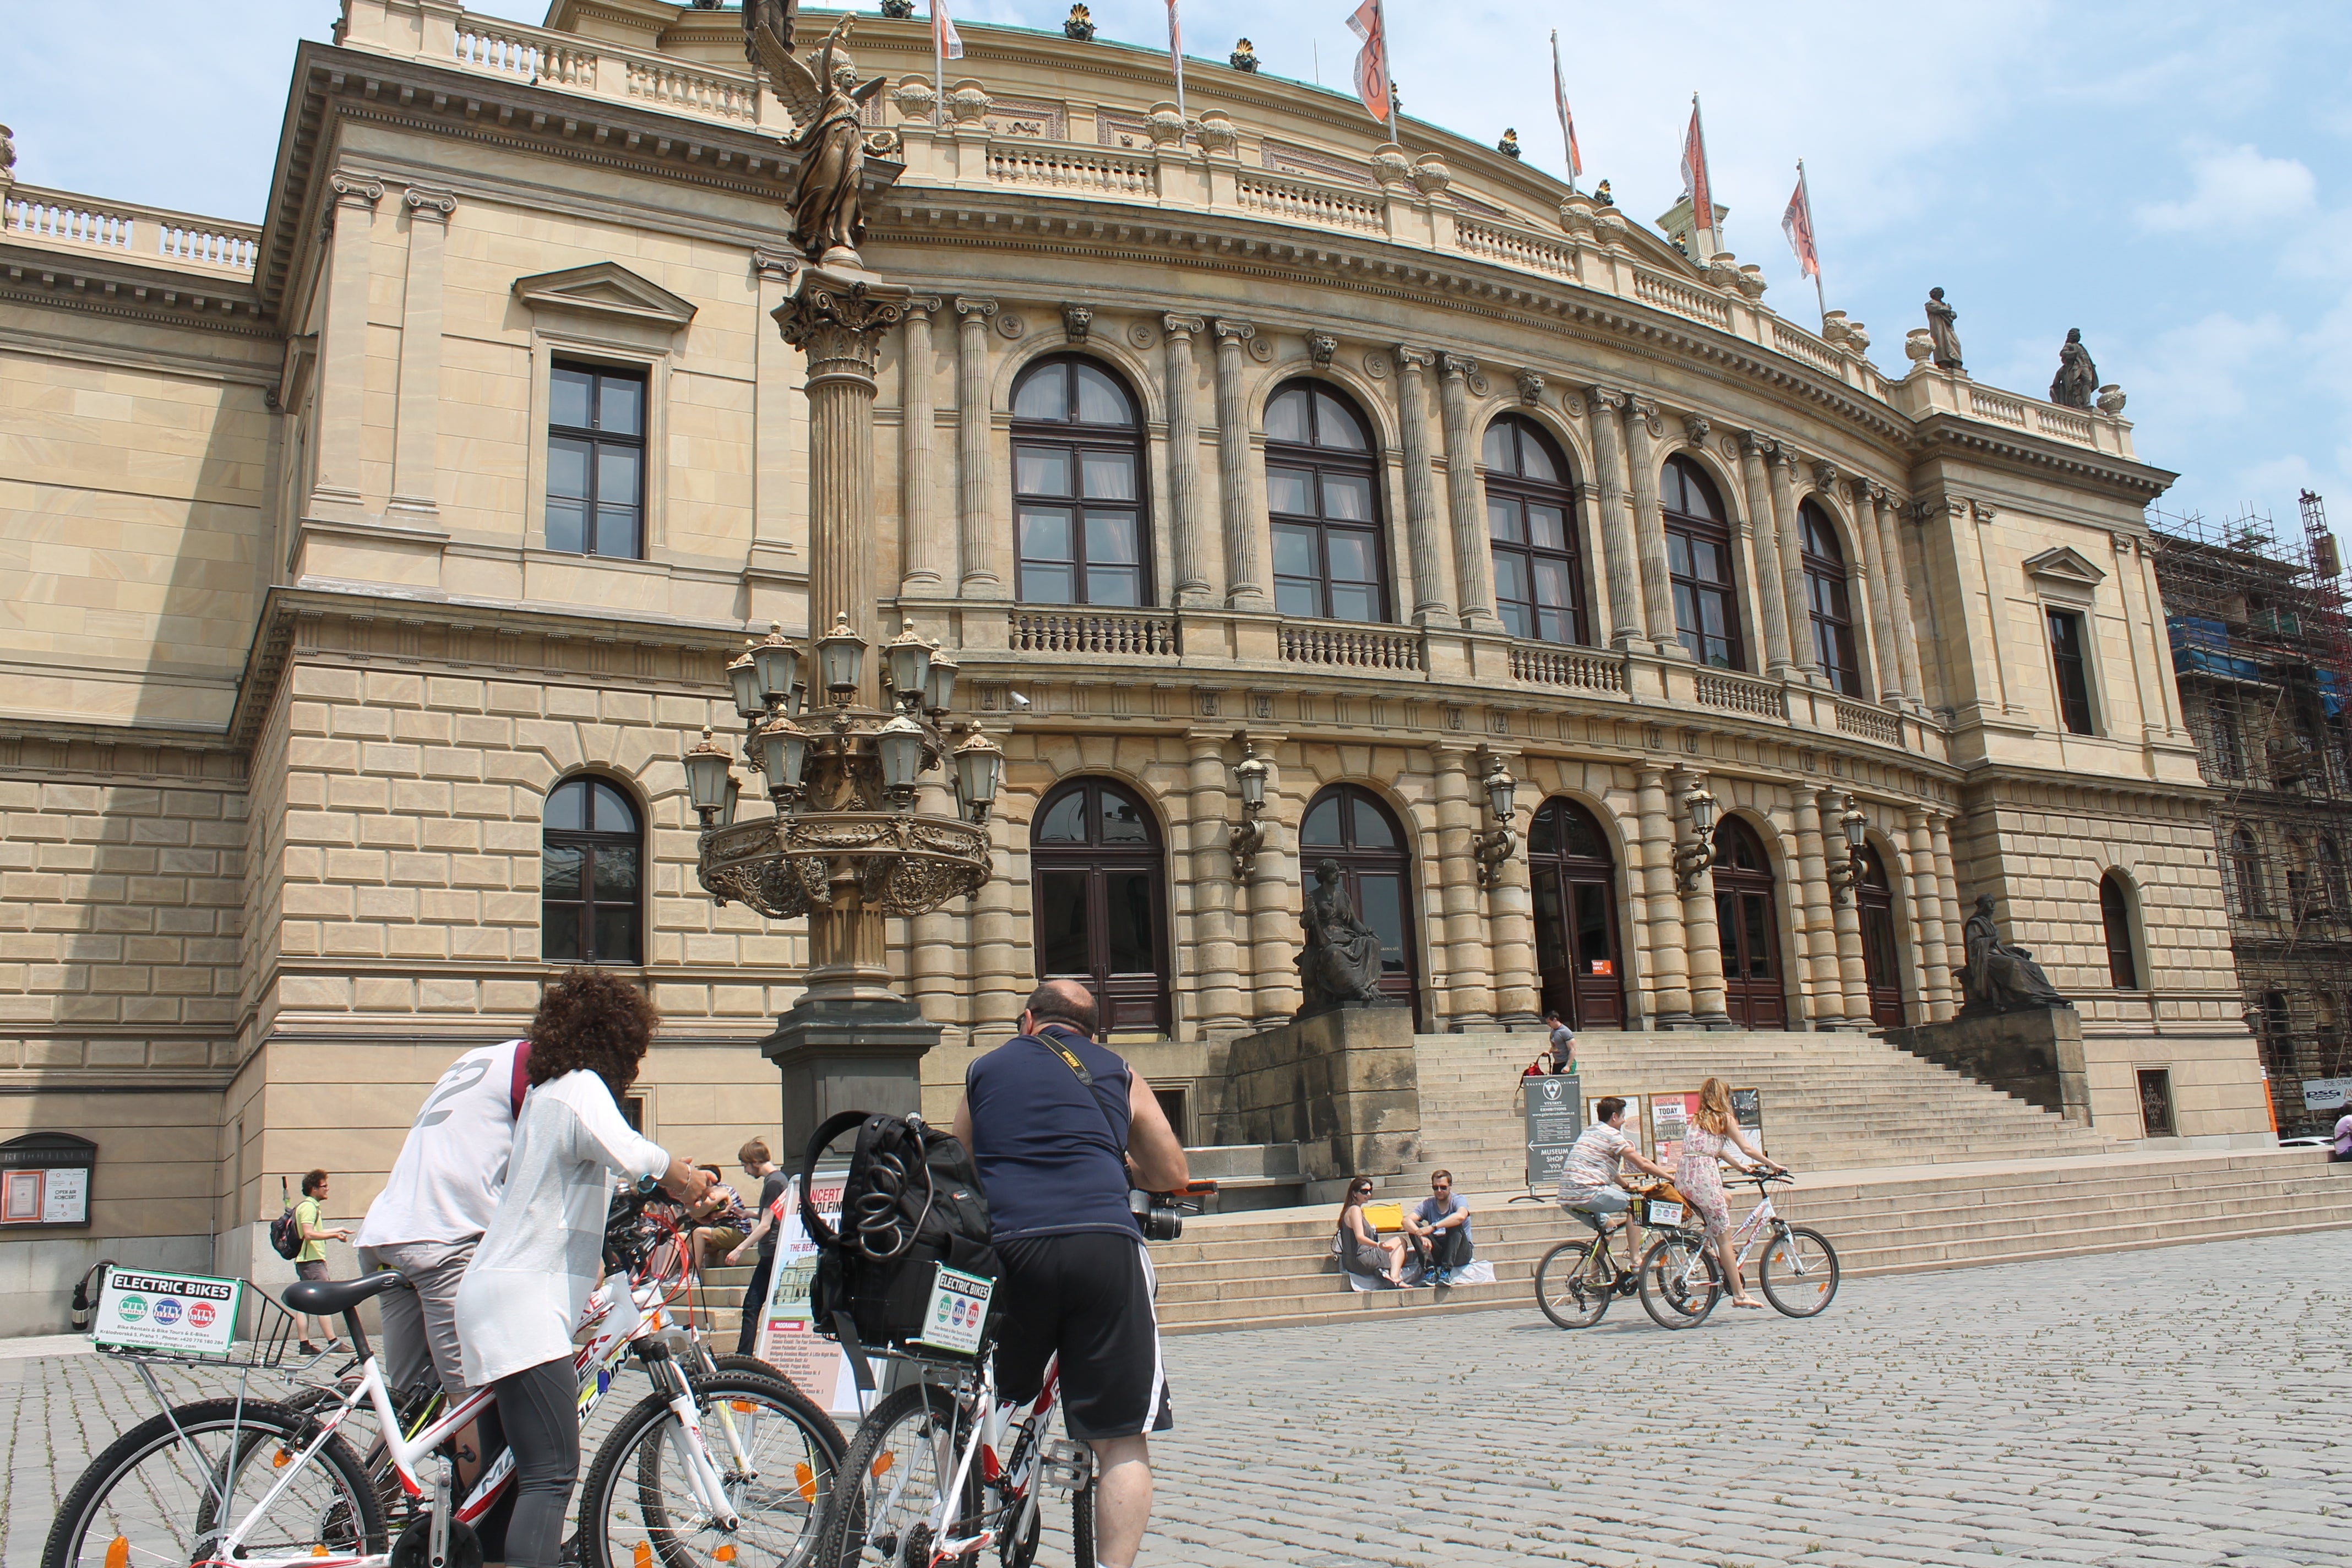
(1706, 1143)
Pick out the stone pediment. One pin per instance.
(2061, 564)
(603, 288)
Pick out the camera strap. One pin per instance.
(1070, 1059)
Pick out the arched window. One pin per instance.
(1322, 492)
(1575, 877)
(1826, 598)
(1349, 824)
(1699, 563)
(1882, 955)
(1531, 518)
(2245, 867)
(1077, 487)
(592, 876)
(1101, 898)
(1748, 926)
(2115, 919)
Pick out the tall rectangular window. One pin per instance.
(2066, 657)
(596, 461)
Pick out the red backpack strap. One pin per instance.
(520, 1086)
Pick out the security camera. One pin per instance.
(1016, 699)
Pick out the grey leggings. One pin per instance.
(540, 1408)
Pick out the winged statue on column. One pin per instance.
(825, 98)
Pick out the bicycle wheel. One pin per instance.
(899, 1461)
(1568, 1295)
(776, 1473)
(1082, 1525)
(1680, 1281)
(161, 1495)
(1798, 1272)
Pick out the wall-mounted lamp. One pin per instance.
(710, 783)
(1846, 875)
(1499, 843)
(1248, 836)
(1694, 855)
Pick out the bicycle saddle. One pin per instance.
(326, 1298)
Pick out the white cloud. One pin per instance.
(2233, 187)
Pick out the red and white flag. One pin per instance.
(946, 42)
(1566, 120)
(1695, 185)
(1797, 223)
(1372, 62)
(1176, 55)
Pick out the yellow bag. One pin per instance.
(1385, 1216)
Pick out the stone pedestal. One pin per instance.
(2036, 1056)
(838, 1054)
(1339, 1084)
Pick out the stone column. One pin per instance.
(415, 459)
(1473, 556)
(1616, 527)
(1772, 604)
(1825, 988)
(1004, 959)
(1898, 595)
(1274, 896)
(778, 439)
(1882, 613)
(342, 352)
(1788, 527)
(1650, 531)
(1702, 934)
(939, 944)
(1185, 463)
(1468, 980)
(1667, 959)
(921, 549)
(975, 526)
(1420, 487)
(1223, 988)
(1511, 910)
(1243, 590)
(1935, 964)
(1940, 838)
(1845, 914)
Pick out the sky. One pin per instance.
(2173, 177)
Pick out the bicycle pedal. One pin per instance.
(1065, 1466)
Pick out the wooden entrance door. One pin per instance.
(1882, 959)
(1101, 901)
(1749, 926)
(1349, 824)
(1575, 877)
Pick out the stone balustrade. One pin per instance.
(1870, 723)
(1091, 633)
(1351, 648)
(1543, 666)
(61, 220)
(1740, 694)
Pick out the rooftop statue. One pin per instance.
(1341, 962)
(1509, 145)
(827, 221)
(1940, 318)
(2078, 377)
(1081, 24)
(899, 10)
(778, 16)
(1600, 194)
(1244, 57)
(1999, 978)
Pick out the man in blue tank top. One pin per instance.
(1053, 1152)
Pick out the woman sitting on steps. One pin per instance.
(1361, 1251)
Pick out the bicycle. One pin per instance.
(1798, 1270)
(927, 1479)
(188, 1488)
(1575, 1280)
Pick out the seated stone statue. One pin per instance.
(1999, 978)
(1342, 959)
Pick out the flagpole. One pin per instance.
(1704, 221)
(1560, 94)
(1813, 235)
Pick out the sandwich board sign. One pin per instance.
(1555, 1116)
(147, 1309)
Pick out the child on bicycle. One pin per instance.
(1588, 1187)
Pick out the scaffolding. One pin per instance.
(2263, 645)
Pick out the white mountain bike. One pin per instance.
(1681, 1281)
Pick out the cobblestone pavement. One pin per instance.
(2180, 1406)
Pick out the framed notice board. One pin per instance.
(45, 1181)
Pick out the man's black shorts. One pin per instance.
(1087, 1295)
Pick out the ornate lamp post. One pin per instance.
(1497, 845)
(1694, 855)
(1249, 834)
(1846, 875)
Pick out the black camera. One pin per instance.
(1161, 1215)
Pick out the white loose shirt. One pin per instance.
(453, 1165)
(537, 1261)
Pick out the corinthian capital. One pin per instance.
(425, 202)
(1180, 327)
(357, 190)
(1606, 398)
(1415, 360)
(1757, 444)
(1456, 367)
(1234, 332)
(974, 309)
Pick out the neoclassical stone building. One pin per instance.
(372, 569)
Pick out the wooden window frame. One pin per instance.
(2078, 712)
(1320, 461)
(589, 840)
(1513, 489)
(1076, 439)
(1693, 527)
(598, 441)
(1828, 575)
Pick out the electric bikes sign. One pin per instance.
(169, 1314)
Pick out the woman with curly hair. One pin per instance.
(538, 1262)
(1708, 1142)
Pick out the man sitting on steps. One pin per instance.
(1439, 1227)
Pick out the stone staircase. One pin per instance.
(1831, 1102)
(1272, 1270)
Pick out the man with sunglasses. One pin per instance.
(1588, 1178)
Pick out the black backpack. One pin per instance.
(912, 1202)
(285, 1235)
